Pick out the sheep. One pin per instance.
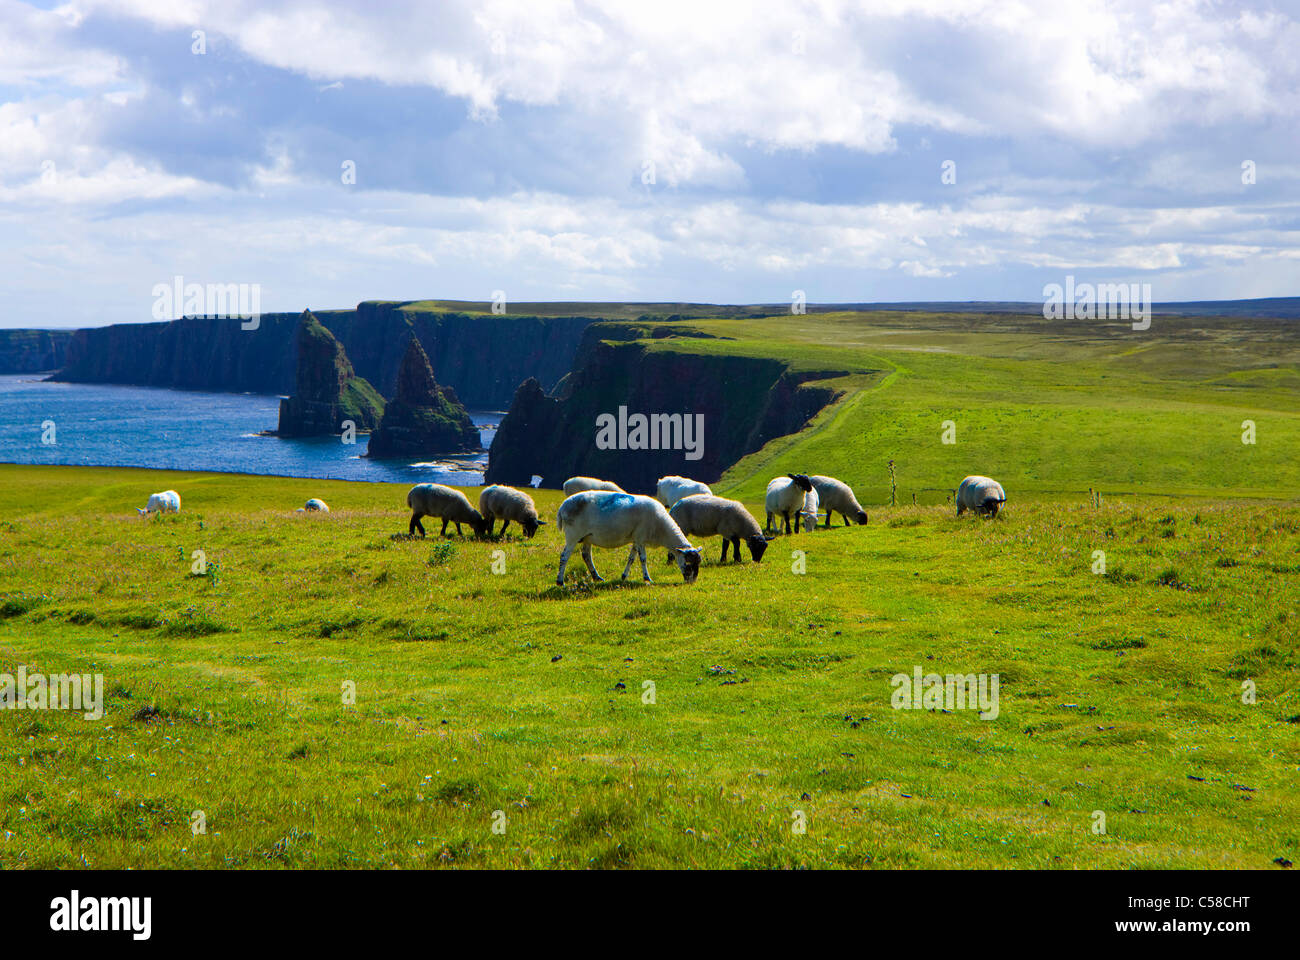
(605, 519)
(707, 516)
(981, 495)
(316, 505)
(671, 489)
(811, 506)
(169, 501)
(792, 493)
(836, 495)
(508, 504)
(435, 500)
(579, 484)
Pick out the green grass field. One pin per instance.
(489, 698)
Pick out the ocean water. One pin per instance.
(118, 426)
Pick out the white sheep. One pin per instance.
(792, 494)
(580, 484)
(671, 489)
(316, 505)
(981, 495)
(169, 501)
(435, 500)
(508, 504)
(604, 519)
(836, 495)
(708, 516)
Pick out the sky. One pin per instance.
(334, 152)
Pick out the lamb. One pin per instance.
(314, 504)
(579, 484)
(605, 519)
(707, 516)
(169, 501)
(792, 493)
(671, 489)
(508, 504)
(836, 495)
(435, 500)
(981, 495)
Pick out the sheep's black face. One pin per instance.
(689, 562)
(479, 526)
(990, 506)
(756, 547)
(801, 481)
(530, 528)
(861, 518)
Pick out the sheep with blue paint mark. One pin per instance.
(607, 519)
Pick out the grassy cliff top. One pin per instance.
(480, 686)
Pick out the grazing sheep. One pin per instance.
(836, 495)
(792, 493)
(435, 500)
(671, 489)
(580, 484)
(316, 505)
(981, 495)
(169, 501)
(508, 504)
(605, 519)
(808, 513)
(707, 516)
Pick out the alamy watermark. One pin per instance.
(955, 691)
(657, 431)
(217, 301)
(59, 691)
(1102, 301)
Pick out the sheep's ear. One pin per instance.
(790, 475)
(541, 523)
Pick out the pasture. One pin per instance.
(481, 687)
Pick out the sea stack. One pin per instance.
(424, 419)
(328, 391)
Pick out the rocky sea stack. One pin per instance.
(328, 389)
(424, 419)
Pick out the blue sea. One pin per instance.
(118, 426)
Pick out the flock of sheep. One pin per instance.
(600, 513)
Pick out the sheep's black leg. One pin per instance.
(735, 549)
(458, 530)
(416, 524)
(444, 527)
(504, 523)
(786, 515)
(564, 562)
(491, 522)
(843, 516)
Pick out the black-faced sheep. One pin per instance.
(792, 494)
(836, 495)
(980, 495)
(707, 516)
(435, 500)
(508, 504)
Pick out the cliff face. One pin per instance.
(734, 404)
(328, 391)
(483, 358)
(33, 351)
(423, 420)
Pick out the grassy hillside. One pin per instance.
(481, 687)
(479, 692)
